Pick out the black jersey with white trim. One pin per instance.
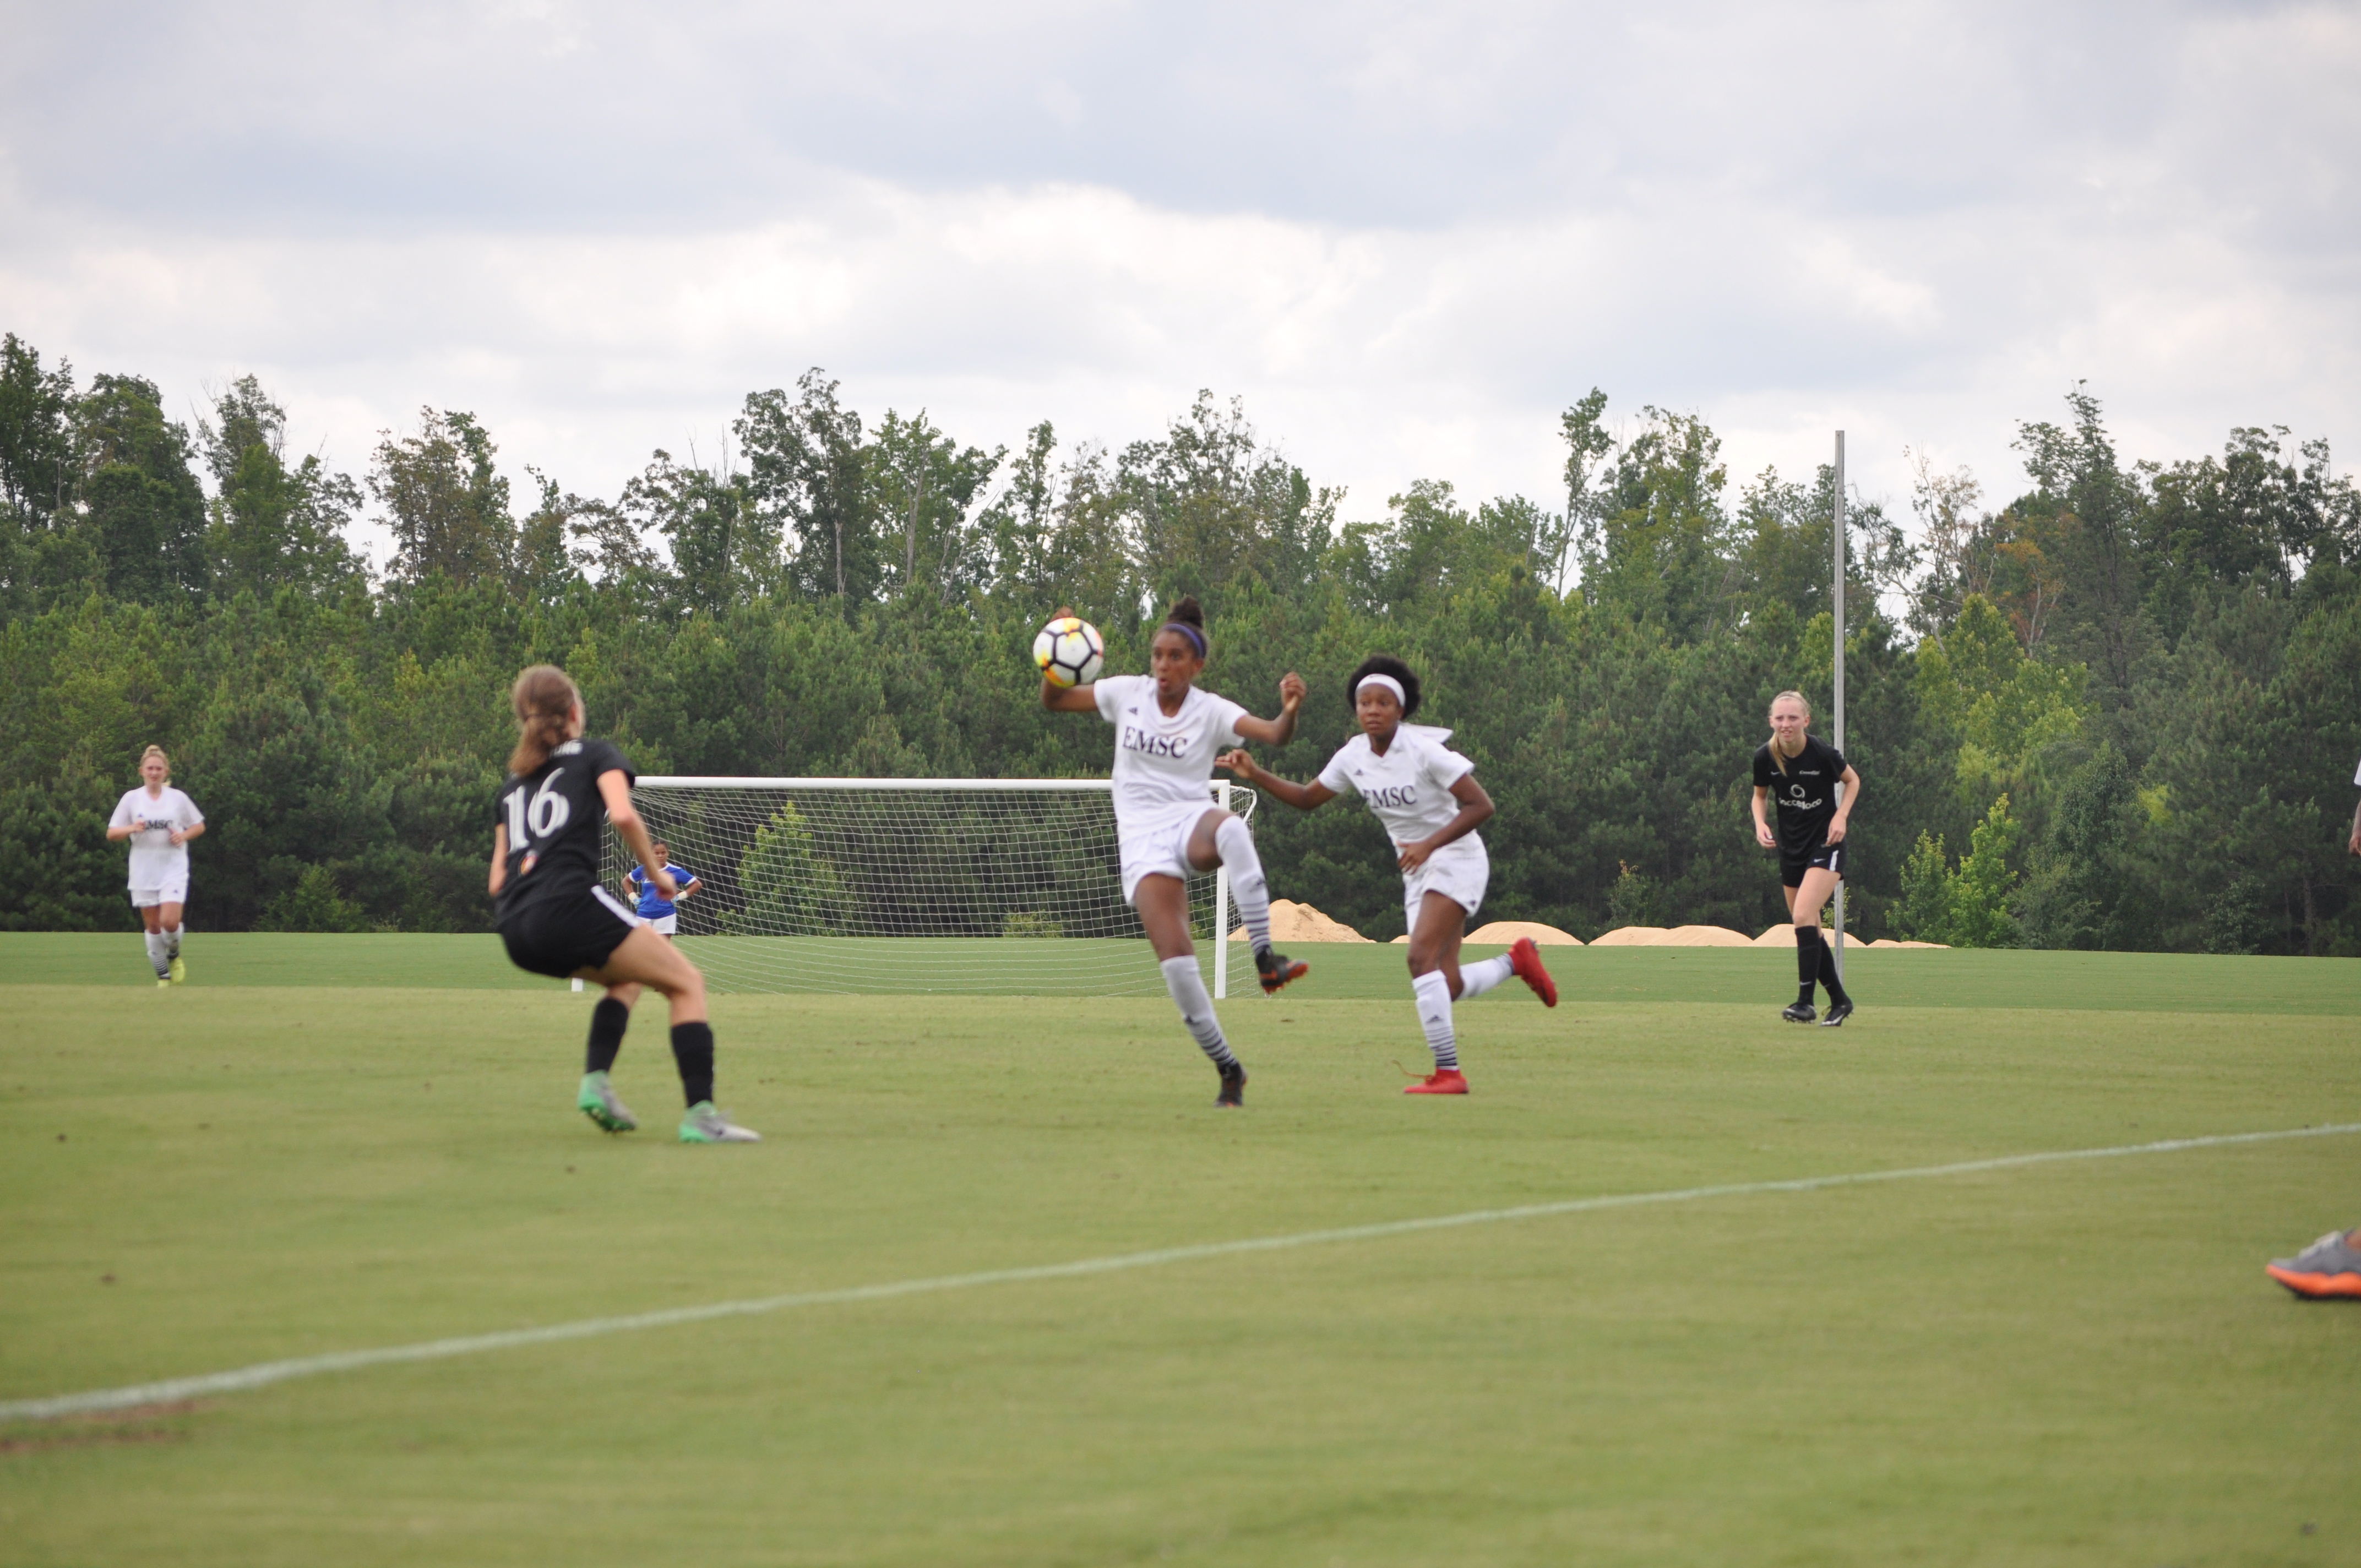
(1805, 793)
(556, 821)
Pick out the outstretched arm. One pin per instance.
(1069, 699)
(1280, 730)
(1303, 797)
(1475, 810)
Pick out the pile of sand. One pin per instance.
(1674, 936)
(1785, 937)
(1294, 922)
(1507, 931)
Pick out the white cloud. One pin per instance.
(1407, 236)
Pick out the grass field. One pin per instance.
(324, 1143)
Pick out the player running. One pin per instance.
(1801, 773)
(556, 920)
(1427, 796)
(662, 914)
(159, 821)
(1167, 735)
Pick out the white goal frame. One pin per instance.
(1220, 793)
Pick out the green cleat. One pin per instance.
(163, 983)
(597, 1101)
(704, 1124)
(179, 969)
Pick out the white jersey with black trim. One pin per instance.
(154, 856)
(1163, 763)
(1409, 788)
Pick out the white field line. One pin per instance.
(268, 1372)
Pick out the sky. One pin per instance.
(1407, 236)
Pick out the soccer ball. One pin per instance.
(1070, 652)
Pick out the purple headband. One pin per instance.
(1185, 630)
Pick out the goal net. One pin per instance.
(1005, 886)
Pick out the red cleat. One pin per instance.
(1275, 969)
(1525, 963)
(1451, 1080)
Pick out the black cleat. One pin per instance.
(1277, 969)
(1232, 1096)
(1837, 1013)
(1799, 1012)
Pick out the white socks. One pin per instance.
(157, 956)
(1188, 988)
(1477, 978)
(1236, 847)
(1434, 990)
(173, 940)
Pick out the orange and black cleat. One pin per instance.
(1525, 963)
(1277, 969)
(2327, 1269)
(1444, 1080)
(1232, 1096)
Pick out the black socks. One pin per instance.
(1828, 980)
(1815, 961)
(608, 1022)
(692, 1048)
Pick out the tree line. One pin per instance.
(2118, 710)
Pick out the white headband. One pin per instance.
(1391, 684)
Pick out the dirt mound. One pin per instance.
(1294, 922)
(1674, 936)
(1507, 931)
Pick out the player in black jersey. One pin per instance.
(1800, 774)
(556, 918)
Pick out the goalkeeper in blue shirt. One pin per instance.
(662, 914)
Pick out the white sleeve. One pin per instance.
(1336, 776)
(1228, 735)
(1111, 692)
(1445, 766)
(2356, 775)
(122, 817)
(188, 814)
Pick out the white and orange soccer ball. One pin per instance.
(1070, 652)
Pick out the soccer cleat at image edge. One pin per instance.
(2327, 1270)
(1445, 1080)
(180, 971)
(1799, 1012)
(1837, 1014)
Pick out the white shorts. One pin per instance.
(662, 925)
(1161, 849)
(1458, 871)
(174, 889)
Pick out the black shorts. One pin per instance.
(1827, 858)
(558, 935)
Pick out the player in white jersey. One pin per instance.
(159, 821)
(1167, 735)
(1427, 796)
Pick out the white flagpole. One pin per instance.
(1837, 598)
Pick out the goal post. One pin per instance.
(981, 886)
